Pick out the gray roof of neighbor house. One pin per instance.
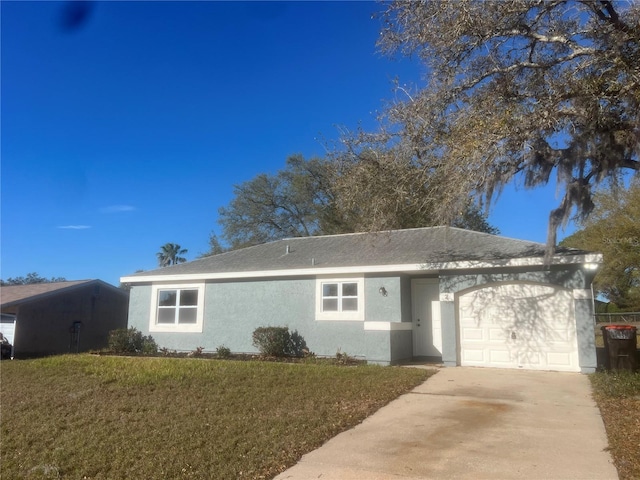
(397, 247)
(12, 295)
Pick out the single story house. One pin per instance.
(442, 293)
(61, 317)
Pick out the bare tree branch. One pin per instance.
(517, 90)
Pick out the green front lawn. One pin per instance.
(618, 396)
(90, 417)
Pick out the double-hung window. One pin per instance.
(339, 299)
(177, 308)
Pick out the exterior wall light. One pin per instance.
(382, 291)
(590, 266)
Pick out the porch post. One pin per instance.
(449, 335)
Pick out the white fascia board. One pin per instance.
(301, 272)
(403, 268)
(387, 326)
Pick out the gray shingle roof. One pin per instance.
(396, 247)
(11, 295)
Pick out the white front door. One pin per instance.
(427, 330)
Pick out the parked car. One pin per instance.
(5, 347)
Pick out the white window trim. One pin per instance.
(174, 327)
(340, 316)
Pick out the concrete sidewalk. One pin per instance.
(473, 423)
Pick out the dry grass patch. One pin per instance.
(89, 417)
(618, 396)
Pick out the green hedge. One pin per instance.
(279, 342)
(131, 341)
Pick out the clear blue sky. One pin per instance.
(130, 129)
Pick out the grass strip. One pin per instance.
(618, 397)
(90, 417)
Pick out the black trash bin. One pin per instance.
(620, 346)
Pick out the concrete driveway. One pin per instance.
(473, 423)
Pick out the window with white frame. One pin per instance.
(339, 299)
(177, 308)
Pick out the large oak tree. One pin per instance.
(529, 91)
(297, 201)
(323, 197)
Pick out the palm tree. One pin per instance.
(169, 254)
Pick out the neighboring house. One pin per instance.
(61, 317)
(453, 295)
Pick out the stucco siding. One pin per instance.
(378, 347)
(233, 310)
(139, 302)
(568, 279)
(449, 334)
(406, 315)
(327, 338)
(585, 330)
(401, 347)
(381, 307)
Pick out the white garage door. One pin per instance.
(518, 326)
(8, 327)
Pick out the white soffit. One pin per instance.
(387, 326)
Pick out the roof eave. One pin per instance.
(586, 259)
(58, 291)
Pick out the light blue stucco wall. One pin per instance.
(234, 309)
(585, 329)
(139, 302)
(383, 346)
(401, 347)
(381, 308)
(565, 278)
(449, 334)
